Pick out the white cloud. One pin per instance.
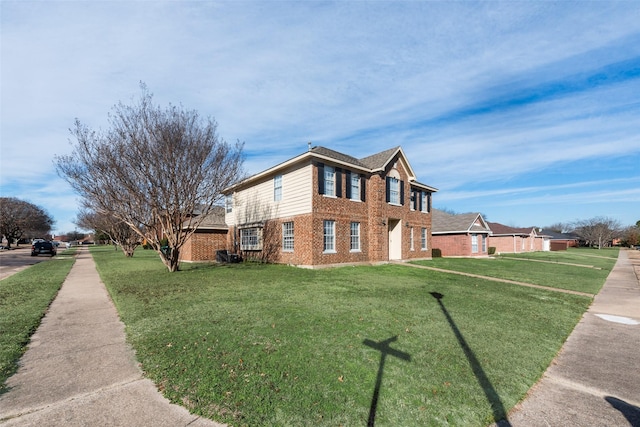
(447, 81)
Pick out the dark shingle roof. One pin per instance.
(443, 222)
(338, 156)
(214, 220)
(379, 160)
(498, 228)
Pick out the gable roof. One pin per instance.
(213, 221)
(446, 223)
(501, 229)
(370, 164)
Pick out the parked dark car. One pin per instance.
(41, 248)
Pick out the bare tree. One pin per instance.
(120, 234)
(560, 227)
(152, 169)
(598, 231)
(21, 219)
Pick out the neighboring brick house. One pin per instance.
(460, 234)
(515, 240)
(561, 241)
(324, 208)
(209, 237)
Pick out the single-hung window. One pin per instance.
(355, 237)
(394, 191)
(355, 186)
(329, 236)
(411, 239)
(287, 236)
(474, 243)
(423, 239)
(277, 188)
(425, 201)
(329, 181)
(228, 203)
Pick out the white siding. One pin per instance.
(255, 203)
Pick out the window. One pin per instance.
(474, 243)
(329, 236)
(277, 188)
(251, 239)
(287, 236)
(414, 199)
(423, 239)
(355, 237)
(425, 201)
(228, 203)
(484, 243)
(411, 239)
(329, 181)
(393, 190)
(354, 186)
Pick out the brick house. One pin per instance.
(515, 240)
(325, 208)
(460, 234)
(209, 237)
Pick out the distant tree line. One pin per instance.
(20, 219)
(600, 231)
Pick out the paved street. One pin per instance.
(16, 260)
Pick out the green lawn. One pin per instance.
(550, 273)
(255, 345)
(24, 298)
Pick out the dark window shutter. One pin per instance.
(320, 167)
(388, 189)
(363, 190)
(347, 189)
(419, 196)
(429, 202)
(338, 182)
(402, 192)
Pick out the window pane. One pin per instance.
(329, 236)
(355, 236)
(228, 202)
(423, 239)
(355, 186)
(287, 236)
(277, 188)
(394, 191)
(474, 243)
(329, 181)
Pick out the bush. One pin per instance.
(492, 250)
(436, 253)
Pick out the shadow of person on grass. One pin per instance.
(499, 413)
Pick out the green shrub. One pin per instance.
(492, 250)
(436, 253)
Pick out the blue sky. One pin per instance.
(528, 112)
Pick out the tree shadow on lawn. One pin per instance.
(499, 413)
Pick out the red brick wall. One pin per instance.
(505, 244)
(453, 244)
(374, 235)
(202, 245)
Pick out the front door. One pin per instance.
(395, 239)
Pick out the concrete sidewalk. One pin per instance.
(79, 370)
(595, 380)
